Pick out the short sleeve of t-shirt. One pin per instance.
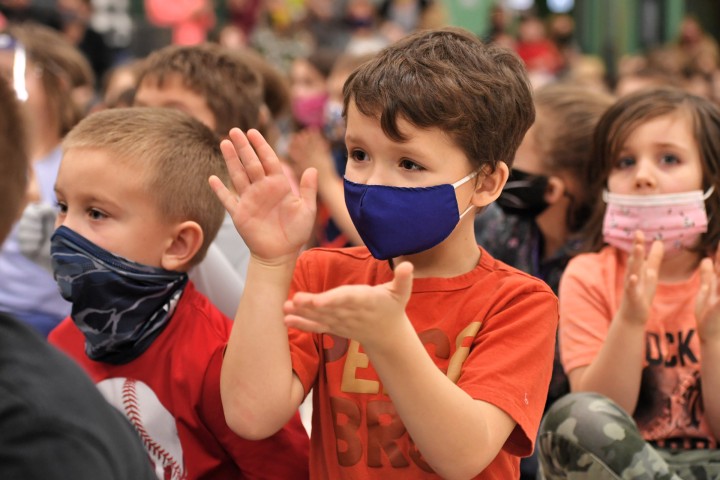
(588, 301)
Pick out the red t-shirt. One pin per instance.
(171, 394)
(492, 331)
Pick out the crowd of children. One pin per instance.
(421, 255)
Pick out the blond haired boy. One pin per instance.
(135, 215)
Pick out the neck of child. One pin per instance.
(456, 255)
(553, 229)
(678, 266)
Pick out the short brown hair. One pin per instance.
(232, 89)
(174, 151)
(621, 120)
(13, 159)
(64, 69)
(478, 94)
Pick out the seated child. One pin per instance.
(135, 214)
(444, 376)
(639, 312)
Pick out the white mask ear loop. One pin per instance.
(709, 192)
(463, 181)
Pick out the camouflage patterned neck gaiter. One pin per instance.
(119, 305)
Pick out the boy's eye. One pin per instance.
(669, 159)
(358, 155)
(61, 207)
(410, 165)
(96, 214)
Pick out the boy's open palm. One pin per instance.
(273, 221)
(707, 305)
(640, 280)
(368, 314)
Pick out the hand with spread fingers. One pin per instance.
(707, 306)
(641, 280)
(368, 314)
(273, 221)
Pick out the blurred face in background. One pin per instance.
(308, 94)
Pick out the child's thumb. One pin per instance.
(309, 186)
(402, 283)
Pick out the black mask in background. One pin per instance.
(524, 194)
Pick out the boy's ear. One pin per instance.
(490, 184)
(186, 241)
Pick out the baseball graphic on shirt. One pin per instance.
(153, 423)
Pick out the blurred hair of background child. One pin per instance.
(640, 315)
(151, 342)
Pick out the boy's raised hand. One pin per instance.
(273, 221)
(368, 314)
(641, 280)
(707, 304)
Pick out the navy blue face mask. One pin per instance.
(397, 221)
(120, 306)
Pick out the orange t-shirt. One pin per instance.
(492, 331)
(669, 411)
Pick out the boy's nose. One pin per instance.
(378, 175)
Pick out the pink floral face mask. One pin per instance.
(677, 219)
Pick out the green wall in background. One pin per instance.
(473, 15)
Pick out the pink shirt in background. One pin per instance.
(190, 20)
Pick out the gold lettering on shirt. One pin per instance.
(353, 361)
(461, 353)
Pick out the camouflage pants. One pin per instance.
(587, 436)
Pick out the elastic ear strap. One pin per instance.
(466, 211)
(465, 179)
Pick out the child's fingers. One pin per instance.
(237, 172)
(247, 155)
(264, 153)
(657, 250)
(309, 186)
(226, 197)
(707, 281)
(637, 255)
(294, 321)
